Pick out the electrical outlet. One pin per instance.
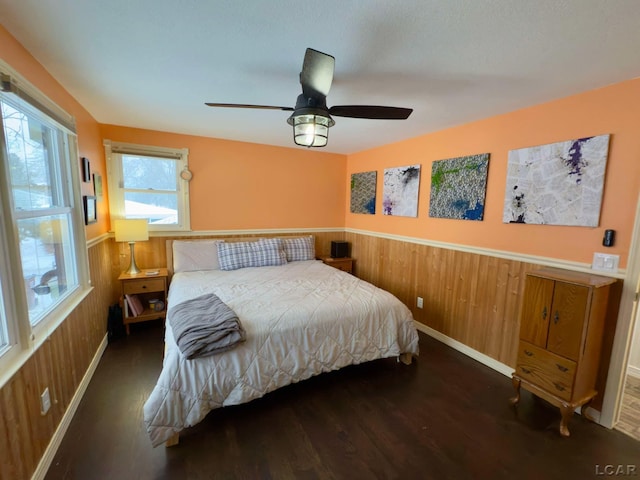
(605, 262)
(419, 302)
(45, 401)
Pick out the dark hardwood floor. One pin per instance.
(445, 416)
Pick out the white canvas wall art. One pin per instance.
(400, 191)
(557, 184)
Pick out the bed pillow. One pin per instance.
(299, 248)
(262, 253)
(192, 255)
(270, 252)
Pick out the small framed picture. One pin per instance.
(86, 170)
(97, 186)
(90, 211)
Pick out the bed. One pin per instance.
(300, 318)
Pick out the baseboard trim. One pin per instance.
(499, 367)
(58, 435)
(633, 371)
(504, 369)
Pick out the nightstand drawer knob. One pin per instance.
(562, 368)
(559, 386)
(528, 353)
(528, 372)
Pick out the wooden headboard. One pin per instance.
(169, 255)
(169, 246)
(322, 239)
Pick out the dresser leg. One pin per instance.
(567, 412)
(584, 411)
(516, 385)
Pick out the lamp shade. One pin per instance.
(311, 129)
(132, 230)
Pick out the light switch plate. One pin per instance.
(605, 262)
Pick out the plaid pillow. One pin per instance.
(263, 253)
(234, 255)
(269, 252)
(299, 248)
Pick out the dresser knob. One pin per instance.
(562, 368)
(528, 372)
(528, 353)
(559, 386)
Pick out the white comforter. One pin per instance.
(301, 319)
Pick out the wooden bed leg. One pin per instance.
(405, 358)
(173, 440)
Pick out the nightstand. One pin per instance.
(145, 289)
(344, 264)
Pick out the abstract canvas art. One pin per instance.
(557, 184)
(363, 192)
(400, 191)
(458, 187)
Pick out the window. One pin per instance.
(4, 336)
(43, 236)
(42, 207)
(145, 182)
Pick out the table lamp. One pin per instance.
(132, 231)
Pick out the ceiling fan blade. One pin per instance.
(371, 111)
(242, 105)
(317, 73)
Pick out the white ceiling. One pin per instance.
(153, 63)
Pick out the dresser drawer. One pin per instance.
(143, 285)
(551, 372)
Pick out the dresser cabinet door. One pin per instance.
(568, 317)
(536, 310)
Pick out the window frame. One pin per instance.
(23, 337)
(115, 179)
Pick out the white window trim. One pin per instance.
(115, 181)
(25, 339)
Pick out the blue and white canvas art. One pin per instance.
(400, 191)
(557, 184)
(363, 192)
(458, 187)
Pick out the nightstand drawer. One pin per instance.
(143, 285)
(545, 369)
(344, 264)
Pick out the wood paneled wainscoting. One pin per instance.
(472, 298)
(60, 364)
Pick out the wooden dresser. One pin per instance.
(561, 326)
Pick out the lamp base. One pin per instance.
(133, 268)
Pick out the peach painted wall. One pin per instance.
(614, 110)
(238, 186)
(89, 141)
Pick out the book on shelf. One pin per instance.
(135, 305)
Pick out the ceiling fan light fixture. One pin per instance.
(311, 129)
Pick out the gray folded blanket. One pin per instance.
(205, 325)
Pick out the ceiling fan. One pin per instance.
(311, 118)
